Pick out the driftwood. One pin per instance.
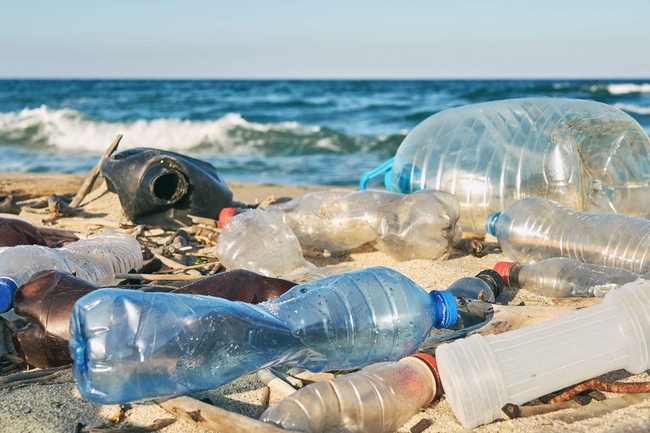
(8, 206)
(88, 183)
(213, 417)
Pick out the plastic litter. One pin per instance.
(16, 232)
(561, 277)
(380, 398)
(533, 229)
(485, 286)
(162, 188)
(586, 155)
(46, 301)
(480, 374)
(417, 226)
(130, 345)
(96, 259)
(259, 242)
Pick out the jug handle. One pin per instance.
(385, 167)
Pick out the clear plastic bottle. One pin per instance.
(481, 373)
(561, 277)
(586, 155)
(129, 345)
(379, 399)
(533, 229)
(95, 260)
(416, 226)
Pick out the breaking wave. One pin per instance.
(621, 89)
(633, 108)
(68, 130)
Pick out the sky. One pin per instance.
(325, 39)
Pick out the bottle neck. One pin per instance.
(445, 312)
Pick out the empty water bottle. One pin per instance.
(130, 345)
(481, 373)
(379, 399)
(533, 229)
(417, 226)
(561, 277)
(586, 155)
(485, 286)
(46, 302)
(96, 260)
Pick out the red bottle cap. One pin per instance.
(226, 215)
(503, 269)
(430, 361)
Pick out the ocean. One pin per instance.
(298, 132)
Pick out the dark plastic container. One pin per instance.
(162, 188)
(16, 232)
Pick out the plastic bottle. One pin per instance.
(380, 399)
(485, 286)
(586, 155)
(16, 232)
(533, 229)
(130, 345)
(561, 277)
(46, 302)
(96, 260)
(257, 241)
(481, 373)
(417, 226)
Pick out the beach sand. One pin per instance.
(57, 407)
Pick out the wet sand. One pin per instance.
(57, 407)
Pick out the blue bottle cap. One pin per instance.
(491, 224)
(446, 309)
(7, 289)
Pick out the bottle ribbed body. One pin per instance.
(480, 374)
(131, 345)
(379, 398)
(533, 229)
(561, 277)
(417, 226)
(586, 155)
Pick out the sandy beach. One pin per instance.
(58, 407)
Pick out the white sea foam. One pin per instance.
(633, 108)
(621, 89)
(69, 130)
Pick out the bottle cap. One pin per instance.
(491, 224)
(7, 289)
(446, 309)
(493, 279)
(430, 361)
(226, 215)
(503, 268)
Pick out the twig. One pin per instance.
(187, 268)
(88, 183)
(514, 411)
(169, 262)
(64, 234)
(32, 374)
(602, 385)
(600, 408)
(213, 417)
(94, 222)
(156, 277)
(155, 426)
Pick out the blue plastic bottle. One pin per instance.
(129, 345)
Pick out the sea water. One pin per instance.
(285, 132)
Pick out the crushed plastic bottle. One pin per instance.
(17, 232)
(586, 155)
(481, 373)
(561, 277)
(46, 302)
(130, 345)
(416, 226)
(380, 399)
(533, 229)
(257, 241)
(96, 259)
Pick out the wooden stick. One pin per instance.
(599, 408)
(155, 426)
(88, 183)
(215, 418)
(156, 277)
(602, 385)
(187, 268)
(64, 234)
(31, 374)
(169, 262)
(513, 411)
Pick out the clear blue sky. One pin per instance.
(324, 39)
